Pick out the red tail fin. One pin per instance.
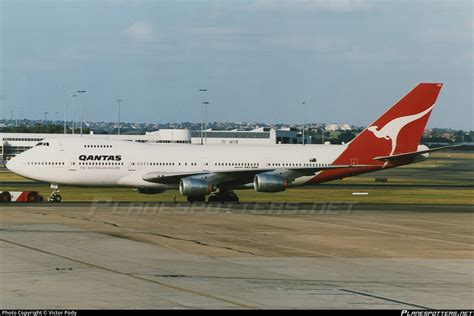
(398, 130)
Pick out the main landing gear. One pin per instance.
(55, 197)
(196, 198)
(222, 196)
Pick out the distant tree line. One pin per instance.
(41, 128)
(334, 137)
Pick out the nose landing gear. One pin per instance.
(55, 197)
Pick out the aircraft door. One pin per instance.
(205, 164)
(267, 162)
(354, 161)
(72, 166)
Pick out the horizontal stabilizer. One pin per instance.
(412, 154)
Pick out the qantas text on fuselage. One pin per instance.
(100, 157)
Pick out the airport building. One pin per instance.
(12, 144)
(338, 127)
(259, 136)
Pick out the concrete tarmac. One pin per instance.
(133, 256)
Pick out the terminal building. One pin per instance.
(259, 136)
(12, 144)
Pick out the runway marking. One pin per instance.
(131, 275)
(385, 298)
(388, 233)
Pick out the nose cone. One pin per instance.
(12, 165)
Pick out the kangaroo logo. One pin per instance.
(391, 130)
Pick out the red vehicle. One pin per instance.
(21, 197)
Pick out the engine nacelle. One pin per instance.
(194, 187)
(269, 183)
(150, 190)
(421, 157)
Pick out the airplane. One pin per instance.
(216, 171)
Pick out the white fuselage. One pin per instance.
(108, 163)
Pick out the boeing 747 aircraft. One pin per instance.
(216, 170)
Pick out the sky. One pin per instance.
(349, 60)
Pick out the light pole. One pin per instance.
(303, 103)
(205, 121)
(82, 107)
(65, 115)
(73, 112)
(119, 100)
(202, 123)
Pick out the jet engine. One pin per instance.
(194, 187)
(269, 183)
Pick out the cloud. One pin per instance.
(142, 31)
(320, 5)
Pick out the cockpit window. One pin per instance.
(42, 144)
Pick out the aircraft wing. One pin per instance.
(240, 176)
(412, 154)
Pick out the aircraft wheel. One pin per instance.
(32, 197)
(214, 199)
(223, 197)
(192, 199)
(235, 199)
(5, 197)
(57, 198)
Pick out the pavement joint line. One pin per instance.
(438, 223)
(385, 298)
(389, 233)
(401, 227)
(131, 275)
